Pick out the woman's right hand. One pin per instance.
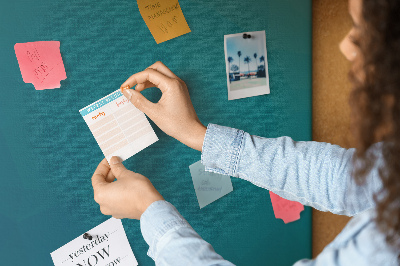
(174, 112)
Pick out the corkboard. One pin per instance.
(331, 88)
(48, 155)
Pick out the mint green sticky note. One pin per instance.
(209, 186)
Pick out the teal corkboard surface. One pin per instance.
(48, 154)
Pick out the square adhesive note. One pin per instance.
(108, 246)
(41, 64)
(209, 186)
(164, 18)
(118, 126)
(287, 210)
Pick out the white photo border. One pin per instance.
(248, 92)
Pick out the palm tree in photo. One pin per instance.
(239, 54)
(255, 59)
(230, 59)
(247, 60)
(262, 59)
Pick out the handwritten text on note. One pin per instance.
(41, 64)
(209, 186)
(164, 19)
(118, 126)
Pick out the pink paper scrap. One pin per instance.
(41, 63)
(284, 209)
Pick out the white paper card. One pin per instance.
(246, 64)
(118, 126)
(209, 186)
(109, 247)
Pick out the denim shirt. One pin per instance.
(312, 173)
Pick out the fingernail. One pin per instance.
(115, 160)
(128, 94)
(124, 88)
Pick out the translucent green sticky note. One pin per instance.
(209, 186)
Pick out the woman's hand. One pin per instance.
(128, 197)
(173, 113)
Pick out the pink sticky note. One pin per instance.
(284, 209)
(41, 63)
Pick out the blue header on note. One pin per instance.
(100, 103)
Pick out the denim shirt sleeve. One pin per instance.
(312, 173)
(172, 241)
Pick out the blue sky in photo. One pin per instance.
(248, 47)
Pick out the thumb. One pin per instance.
(117, 167)
(138, 100)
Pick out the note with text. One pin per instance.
(209, 186)
(118, 126)
(287, 210)
(41, 64)
(164, 18)
(108, 246)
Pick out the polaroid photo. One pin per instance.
(246, 64)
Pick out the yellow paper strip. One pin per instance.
(164, 18)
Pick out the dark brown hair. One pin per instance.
(375, 103)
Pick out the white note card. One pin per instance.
(108, 247)
(118, 126)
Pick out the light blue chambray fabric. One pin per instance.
(312, 173)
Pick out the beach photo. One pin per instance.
(246, 64)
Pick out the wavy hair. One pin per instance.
(375, 103)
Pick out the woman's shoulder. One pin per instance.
(363, 239)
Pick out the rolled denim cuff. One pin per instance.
(221, 150)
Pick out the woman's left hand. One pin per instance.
(127, 197)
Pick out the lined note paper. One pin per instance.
(164, 18)
(209, 186)
(41, 64)
(118, 126)
(284, 209)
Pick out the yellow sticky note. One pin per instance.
(164, 18)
